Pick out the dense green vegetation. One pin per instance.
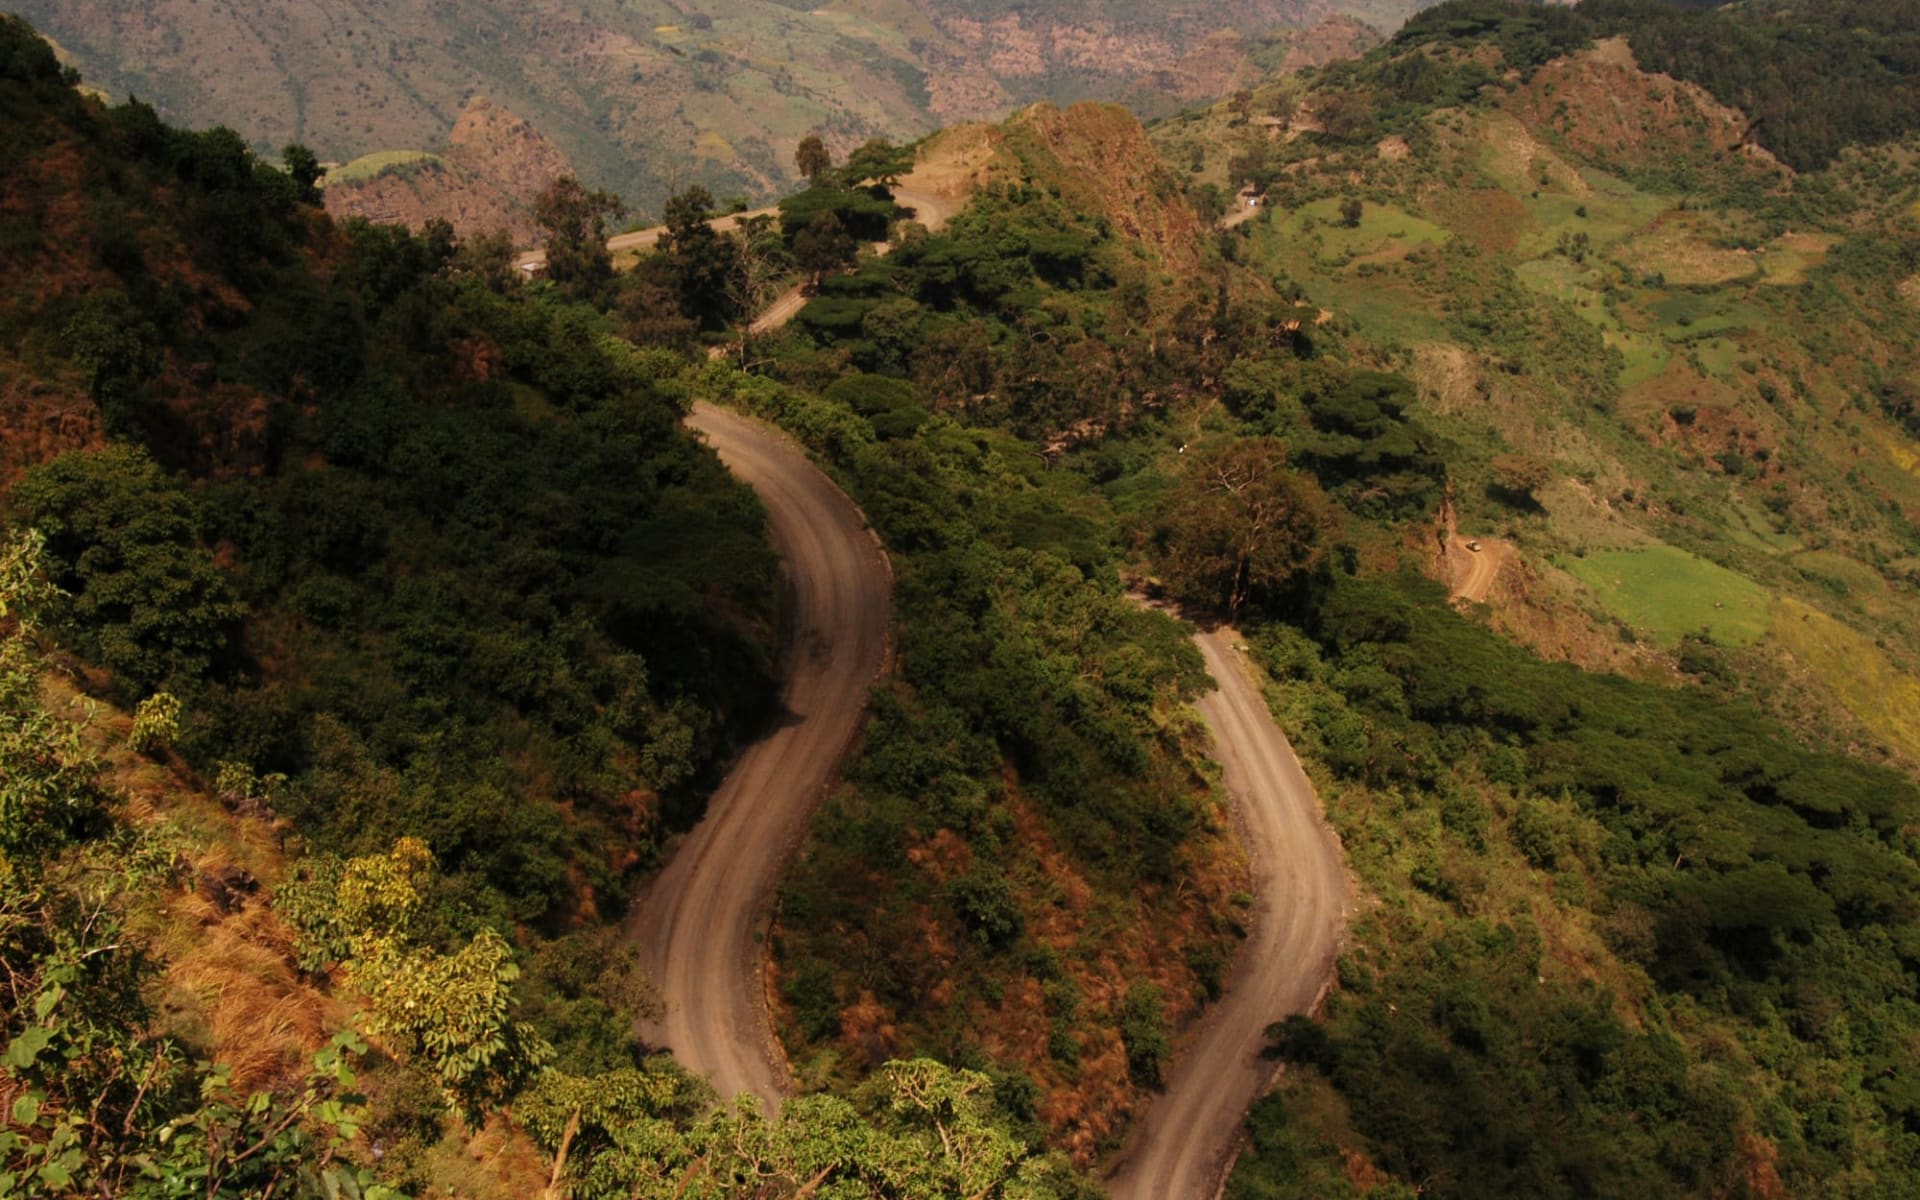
(1029, 737)
(468, 569)
(457, 599)
(99, 1103)
(1635, 938)
(96, 1102)
(1746, 885)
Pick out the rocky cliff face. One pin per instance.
(493, 166)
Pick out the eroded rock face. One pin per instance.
(493, 165)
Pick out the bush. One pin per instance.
(123, 538)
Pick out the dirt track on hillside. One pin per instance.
(1181, 1148)
(1474, 571)
(930, 208)
(701, 927)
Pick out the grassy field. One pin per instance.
(1788, 258)
(372, 166)
(1381, 227)
(1669, 593)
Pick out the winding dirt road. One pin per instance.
(701, 927)
(1184, 1144)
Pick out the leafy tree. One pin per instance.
(864, 212)
(812, 158)
(304, 168)
(1368, 448)
(648, 307)
(921, 1131)
(452, 1012)
(823, 246)
(118, 347)
(96, 1104)
(574, 219)
(156, 723)
(147, 599)
(1143, 1030)
(705, 263)
(1239, 526)
(876, 163)
(48, 788)
(1351, 211)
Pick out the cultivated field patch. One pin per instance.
(1670, 593)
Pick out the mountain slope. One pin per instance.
(1666, 358)
(648, 97)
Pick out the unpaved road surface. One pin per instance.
(700, 928)
(1475, 570)
(1182, 1147)
(1241, 214)
(784, 308)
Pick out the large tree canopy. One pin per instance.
(1240, 526)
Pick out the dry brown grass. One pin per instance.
(1678, 252)
(229, 986)
(498, 1163)
(231, 981)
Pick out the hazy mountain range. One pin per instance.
(647, 96)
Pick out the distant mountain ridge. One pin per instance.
(650, 96)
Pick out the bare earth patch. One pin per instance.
(1449, 377)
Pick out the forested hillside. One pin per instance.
(383, 552)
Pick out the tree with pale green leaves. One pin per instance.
(918, 1130)
(450, 1013)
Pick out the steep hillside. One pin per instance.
(646, 98)
(365, 621)
(1543, 435)
(1661, 346)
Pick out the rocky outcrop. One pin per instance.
(493, 165)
